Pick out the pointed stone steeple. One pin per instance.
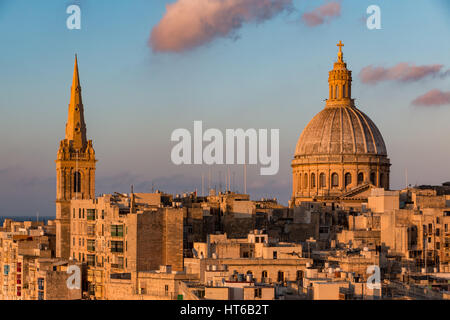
(340, 82)
(75, 168)
(76, 127)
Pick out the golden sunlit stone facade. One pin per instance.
(75, 167)
(341, 153)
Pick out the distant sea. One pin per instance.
(27, 218)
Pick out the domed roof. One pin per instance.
(340, 130)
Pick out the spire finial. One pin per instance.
(340, 54)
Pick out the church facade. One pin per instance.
(340, 154)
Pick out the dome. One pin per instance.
(340, 155)
(340, 130)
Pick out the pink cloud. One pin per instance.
(322, 14)
(402, 72)
(188, 24)
(433, 98)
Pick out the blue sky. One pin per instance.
(273, 75)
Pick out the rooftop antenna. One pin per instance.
(229, 178)
(37, 216)
(220, 181)
(209, 179)
(406, 177)
(245, 178)
(153, 187)
(203, 189)
(232, 181)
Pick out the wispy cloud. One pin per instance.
(188, 24)
(433, 98)
(401, 72)
(322, 14)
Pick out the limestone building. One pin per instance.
(75, 167)
(341, 153)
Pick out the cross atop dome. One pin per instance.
(340, 54)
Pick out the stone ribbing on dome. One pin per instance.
(340, 130)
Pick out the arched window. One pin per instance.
(360, 178)
(280, 276)
(77, 182)
(381, 180)
(249, 272)
(337, 93)
(344, 94)
(322, 182)
(348, 179)
(299, 275)
(305, 182)
(313, 180)
(372, 178)
(264, 274)
(334, 180)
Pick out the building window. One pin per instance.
(334, 180)
(117, 230)
(74, 213)
(116, 246)
(344, 94)
(348, 179)
(313, 180)
(305, 182)
(258, 293)
(360, 178)
(381, 180)
(275, 254)
(41, 283)
(91, 214)
(372, 178)
(91, 245)
(280, 276)
(91, 260)
(77, 182)
(322, 182)
(264, 275)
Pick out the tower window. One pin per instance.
(334, 180)
(381, 180)
(77, 182)
(313, 180)
(360, 178)
(372, 178)
(337, 93)
(344, 94)
(348, 179)
(306, 181)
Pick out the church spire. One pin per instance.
(76, 127)
(340, 82)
